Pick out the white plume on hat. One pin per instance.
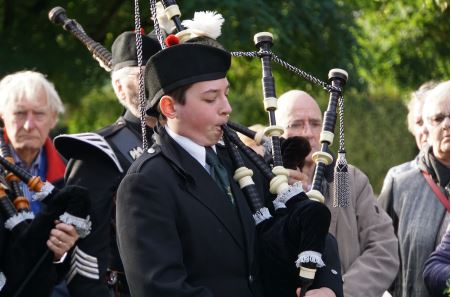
(205, 23)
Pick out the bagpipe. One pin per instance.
(292, 225)
(26, 255)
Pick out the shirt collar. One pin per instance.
(34, 166)
(195, 150)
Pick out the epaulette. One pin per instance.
(111, 129)
(149, 154)
(73, 145)
(126, 143)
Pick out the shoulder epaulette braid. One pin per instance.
(148, 155)
(111, 129)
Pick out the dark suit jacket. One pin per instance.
(178, 233)
(94, 170)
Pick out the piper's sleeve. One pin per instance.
(148, 238)
(89, 258)
(375, 269)
(330, 276)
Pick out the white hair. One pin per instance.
(417, 98)
(119, 75)
(24, 85)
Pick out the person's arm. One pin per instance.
(148, 237)
(89, 260)
(328, 279)
(386, 199)
(436, 268)
(28, 258)
(375, 269)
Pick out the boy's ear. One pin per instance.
(167, 107)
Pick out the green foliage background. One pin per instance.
(389, 48)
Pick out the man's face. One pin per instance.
(28, 123)
(129, 90)
(436, 116)
(205, 110)
(419, 129)
(303, 118)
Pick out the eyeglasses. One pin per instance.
(300, 125)
(437, 119)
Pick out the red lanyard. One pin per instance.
(441, 197)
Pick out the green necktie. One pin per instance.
(218, 172)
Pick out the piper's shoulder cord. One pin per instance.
(288, 66)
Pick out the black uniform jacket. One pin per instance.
(178, 233)
(93, 169)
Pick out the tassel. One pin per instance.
(341, 191)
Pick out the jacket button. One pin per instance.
(251, 278)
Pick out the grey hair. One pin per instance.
(23, 85)
(119, 75)
(417, 97)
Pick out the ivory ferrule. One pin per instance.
(307, 272)
(258, 35)
(316, 196)
(243, 176)
(188, 34)
(326, 136)
(280, 182)
(273, 131)
(172, 11)
(270, 103)
(322, 157)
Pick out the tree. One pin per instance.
(388, 48)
